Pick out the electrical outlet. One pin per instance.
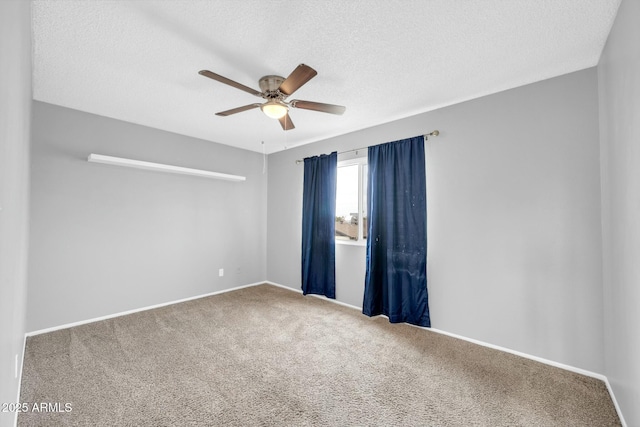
(221, 272)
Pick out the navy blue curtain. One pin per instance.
(318, 225)
(396, 273)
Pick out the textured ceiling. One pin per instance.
(138, 61)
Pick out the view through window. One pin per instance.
(351, 201)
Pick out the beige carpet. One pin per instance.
(265, 356)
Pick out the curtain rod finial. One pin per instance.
(435, 133)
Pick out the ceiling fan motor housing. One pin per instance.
(269, 86)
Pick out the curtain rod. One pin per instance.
(426, 136)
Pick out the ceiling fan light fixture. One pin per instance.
(274, 109)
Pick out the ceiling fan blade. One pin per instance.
(238, 110)
(286, 123)
(302, 74)
(318, 106)
(229, 82)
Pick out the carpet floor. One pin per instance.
(266, 356)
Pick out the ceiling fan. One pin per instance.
(276, 89)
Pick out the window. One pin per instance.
(351, 201)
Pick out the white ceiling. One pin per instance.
(138, 61)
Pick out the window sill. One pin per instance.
(362, 243)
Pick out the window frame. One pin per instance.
(361, 162)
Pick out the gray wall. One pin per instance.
(619, 84)
(106, 239)
(513, 194)
(15, 120)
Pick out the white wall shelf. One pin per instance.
(139, 164)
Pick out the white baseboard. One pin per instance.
(521, 354)
(615, 402)
(335, 301)
(495, 347)
(268, 282)
(136, 310)
(24, 348)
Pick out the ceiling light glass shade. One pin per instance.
(274, 109)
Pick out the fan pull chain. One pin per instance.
(264, 159)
